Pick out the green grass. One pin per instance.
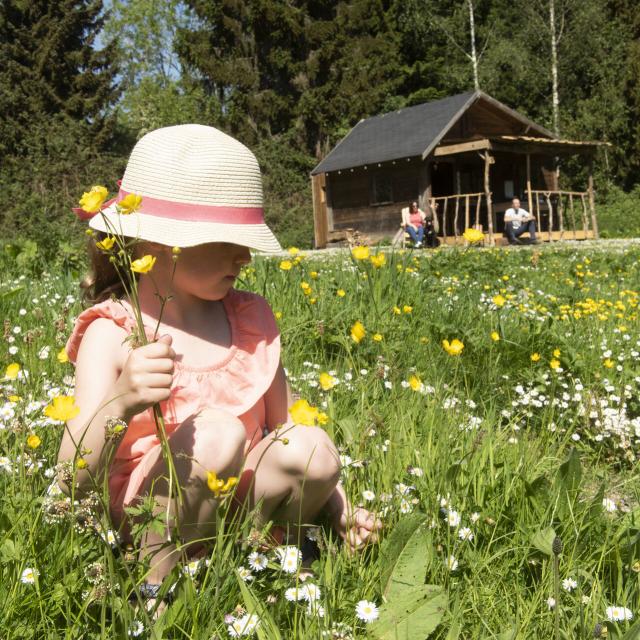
(507, 446)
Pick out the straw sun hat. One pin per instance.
(197, 185)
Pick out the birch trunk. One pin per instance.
(474, 56)
(555, 100)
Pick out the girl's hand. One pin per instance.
(357, 527)
(145, 378)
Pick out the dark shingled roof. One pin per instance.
(406, 133)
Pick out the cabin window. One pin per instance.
(381, 188)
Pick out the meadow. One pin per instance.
(485, 403)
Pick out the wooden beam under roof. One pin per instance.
(462, 147)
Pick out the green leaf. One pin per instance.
(543, 540)
(403, 556)
(570, 473)
(9, 551)
(633, 633)
(414, 617)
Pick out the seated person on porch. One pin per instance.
(518, 220)
(416, 223)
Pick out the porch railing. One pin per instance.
(560, 215)
(569, 212)
(454, 207)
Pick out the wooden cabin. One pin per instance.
(464, 157)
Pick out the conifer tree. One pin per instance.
(57, 127)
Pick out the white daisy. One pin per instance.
(453, 518)
(368, 495)
(609, 505)
(451, 563)
(192, 568)
(245, 574)
(310, 592)
(244, 626)
(293, 594)
(367, 611)
(618, 614)
(135, 628)
(551, 603)
(29, 575)
(465, 534)
(257, 561)
(569, 584)
(289, 557)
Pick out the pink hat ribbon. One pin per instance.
(196, 212)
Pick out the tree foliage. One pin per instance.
(290, 79)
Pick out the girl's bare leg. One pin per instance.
(292, 481)
(211, 440)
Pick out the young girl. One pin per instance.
(215, 369)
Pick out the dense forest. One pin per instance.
(81, 80)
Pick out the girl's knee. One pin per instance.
(219, 440)
(311, 455)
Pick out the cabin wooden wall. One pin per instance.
(353, 201)
(482, 120)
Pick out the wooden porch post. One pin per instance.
(592, 201)
(529, 194)
(488, 161)
(320, 222)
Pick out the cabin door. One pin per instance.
(442, 176)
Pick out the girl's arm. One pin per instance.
(111, 382)
(97, 369)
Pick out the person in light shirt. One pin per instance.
(518, 220)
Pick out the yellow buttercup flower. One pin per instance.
(130, 203)
(14, 398)
(293, 251)
(407, 308)
(453, 348)
(499, 300)
(556, 353)
(286, 265)
(278, 315)
(396, 311)
(313, 275)
(609, 363)
(62, 356)
(379, 260)
(33, 441)
(218, 486)
(495, 336)
(473, 235)
(323, 418)
(327, 381)
(302, 412)
(341, 293)
(144, 264)
(358, 332)
(91, 201)
(415, 383)
(377, 337)
(62, 408)
(12, 371)
(554, 364)
(535, 357)
(360, 252)
(106, 244)
(81, 463)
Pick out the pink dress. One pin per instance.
(236, 384)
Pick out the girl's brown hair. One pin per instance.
(103, 281)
